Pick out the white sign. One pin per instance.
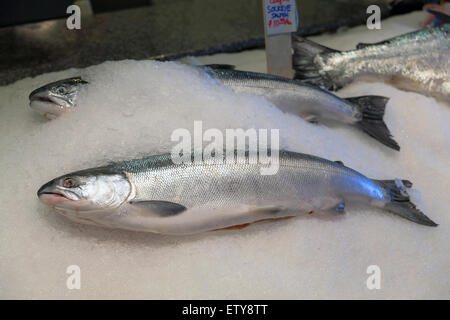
(280, 16)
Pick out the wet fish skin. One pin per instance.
(310, 102)
(155, 195)
(416, 61)
(289, 95)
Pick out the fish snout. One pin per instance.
(51, 195)
(48, 188)
(38, 94)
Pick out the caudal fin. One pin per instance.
(400, 203)
(439, 17)
(305, 66)
(372, 110)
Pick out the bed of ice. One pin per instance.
(130, 108)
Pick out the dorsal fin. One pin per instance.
(221, 66)
(440, 17)
(363, 45)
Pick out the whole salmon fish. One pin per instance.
(154, 194)
(311, 103)
(417, 61)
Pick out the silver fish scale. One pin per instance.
(289, 95)
(418, 61)
(302, 182)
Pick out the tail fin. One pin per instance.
(400, 203)
(306, 69)
(372, 110)
(439, 17)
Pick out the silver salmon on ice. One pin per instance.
(417, 61)
(153, 194)
(311, 103)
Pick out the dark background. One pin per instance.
(143, 29)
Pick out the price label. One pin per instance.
(280, 16)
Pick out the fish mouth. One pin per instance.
(42, 96)
(41, 99)
(49, 194)
(45, 105)
(53, 199)
(58, 195)
(63, 203)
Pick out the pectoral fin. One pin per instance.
(161, 208)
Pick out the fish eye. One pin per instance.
(61, 90)
(69, 183)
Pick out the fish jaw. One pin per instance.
(54, 197)
(78, 211)
(47, 109)
(45, 104)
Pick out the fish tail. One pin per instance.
(439, 17)
(400, 203)
(305, 66)
(372, 110)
